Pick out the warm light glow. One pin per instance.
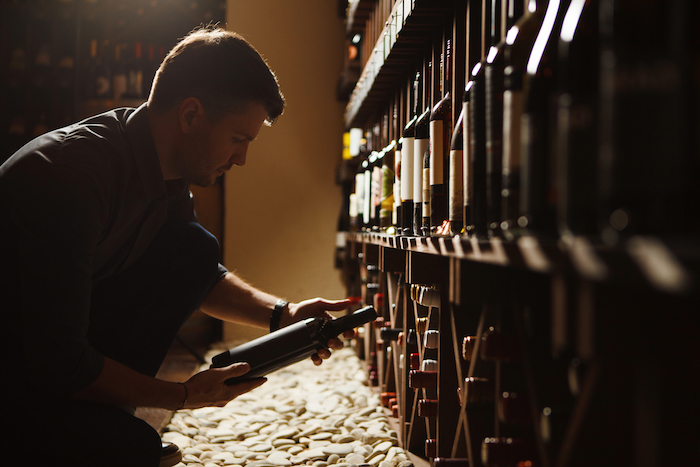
(476, 69)
(542, 37)
(356, 39)
(571, 19)
(493, 51)
(512, 34)
(532, 6)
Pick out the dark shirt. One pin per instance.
(77, 205)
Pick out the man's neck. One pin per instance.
(164, 127)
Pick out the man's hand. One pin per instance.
(318, 308)
(208, 388)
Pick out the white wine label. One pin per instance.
(352, 209)
(367, 198)
(406, 173)
(437, 150)
(421, 145)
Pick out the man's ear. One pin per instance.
(190, 113)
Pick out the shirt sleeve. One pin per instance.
(57, 225)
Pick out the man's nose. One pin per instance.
(239, 157)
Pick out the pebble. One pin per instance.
(304, 415)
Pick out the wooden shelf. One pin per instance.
(581, 315)
(644, 261)
(401, 39)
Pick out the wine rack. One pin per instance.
(560, 325)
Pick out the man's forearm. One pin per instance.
(120, 385)
(232, 299)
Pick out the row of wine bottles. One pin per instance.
(120, 71)
(576, 117)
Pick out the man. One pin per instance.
(101, 259)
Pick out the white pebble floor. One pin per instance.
(303, 415)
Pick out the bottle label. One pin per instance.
(512, 126)
(421, 145)
(397, 184)
(456, 198)
(376, 188)
(367, 198)
(436, 152)
(437, 149)
(387, 196)
(512, 113)
(466, 160)
(406, 172)
(352, 210)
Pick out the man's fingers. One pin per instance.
(233, 370)
(324, 353)
(335, 344)
(337, 305)
(245, 386)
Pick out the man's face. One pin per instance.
(213, 147)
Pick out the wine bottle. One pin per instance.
(377, 183)
(150, 69)
(386, 397)
(408, 166)
(520, 39)
(478, 390)
(477, 150)
(421, 156)
(134, 86)
(468, 344)
(440, 131)
(422, 379)
(90, 72)
(103, 78)
(386, 201)
(119, 78)
(427, 408)
(493, 99)
(290, 344)
(431, 339)
(456, 185)
(514, 408)
(649, 97)
(389, 334)
(429, 364)
(430, 448)
(503, 347)
(539, 192)
(368, 166)
(397, 219)
(577, 129)
(466, 159)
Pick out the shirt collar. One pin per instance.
(140, 138)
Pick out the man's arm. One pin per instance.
(234, 300)
(120, 385)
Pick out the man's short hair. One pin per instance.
(219, 68)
